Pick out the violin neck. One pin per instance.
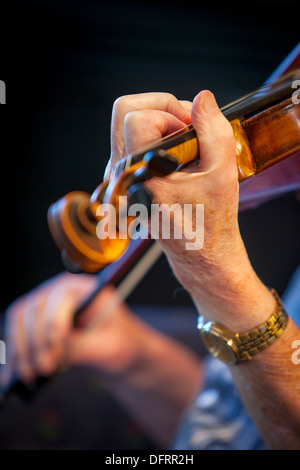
(183, 144)
(291, 62)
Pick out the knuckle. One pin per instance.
(227, 131)
(181, 109)
(132, 118)
(171, 102)
(55, 328)
(223, 127)
(168, 97)
(13, 312)
(120, 103)
(172, 98)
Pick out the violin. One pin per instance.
(266, 126)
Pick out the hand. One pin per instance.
(219, 276)
(40, 336)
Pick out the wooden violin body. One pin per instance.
(266, 125)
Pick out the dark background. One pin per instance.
(64, 64)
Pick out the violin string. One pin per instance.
(152, 255)
(125, 162)
(262, 89)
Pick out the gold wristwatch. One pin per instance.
(233, 348)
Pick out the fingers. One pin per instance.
(38, 326)
(134, 125)
(147, 126)
(16, 361)
(187, 106)
(56, 321)
(214, 132)
(126, 104)
(55, 325)
(112, 339)
(105, 311)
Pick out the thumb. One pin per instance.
(214, 132)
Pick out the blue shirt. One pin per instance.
(218, 419)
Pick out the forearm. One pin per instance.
(219, 277)
(269, 383)
(158, 384)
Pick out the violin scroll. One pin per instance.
(73, 219)
(74, 229)
(266, 126)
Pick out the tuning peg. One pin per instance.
(139, 194)
(160, 163)
(156, 163)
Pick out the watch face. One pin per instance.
(220, 347)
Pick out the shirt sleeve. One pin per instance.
(218, 419)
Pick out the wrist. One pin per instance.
(242, 304)
(234, 348)
(228, 292)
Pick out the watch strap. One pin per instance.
(246, 345)
(262, 337)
